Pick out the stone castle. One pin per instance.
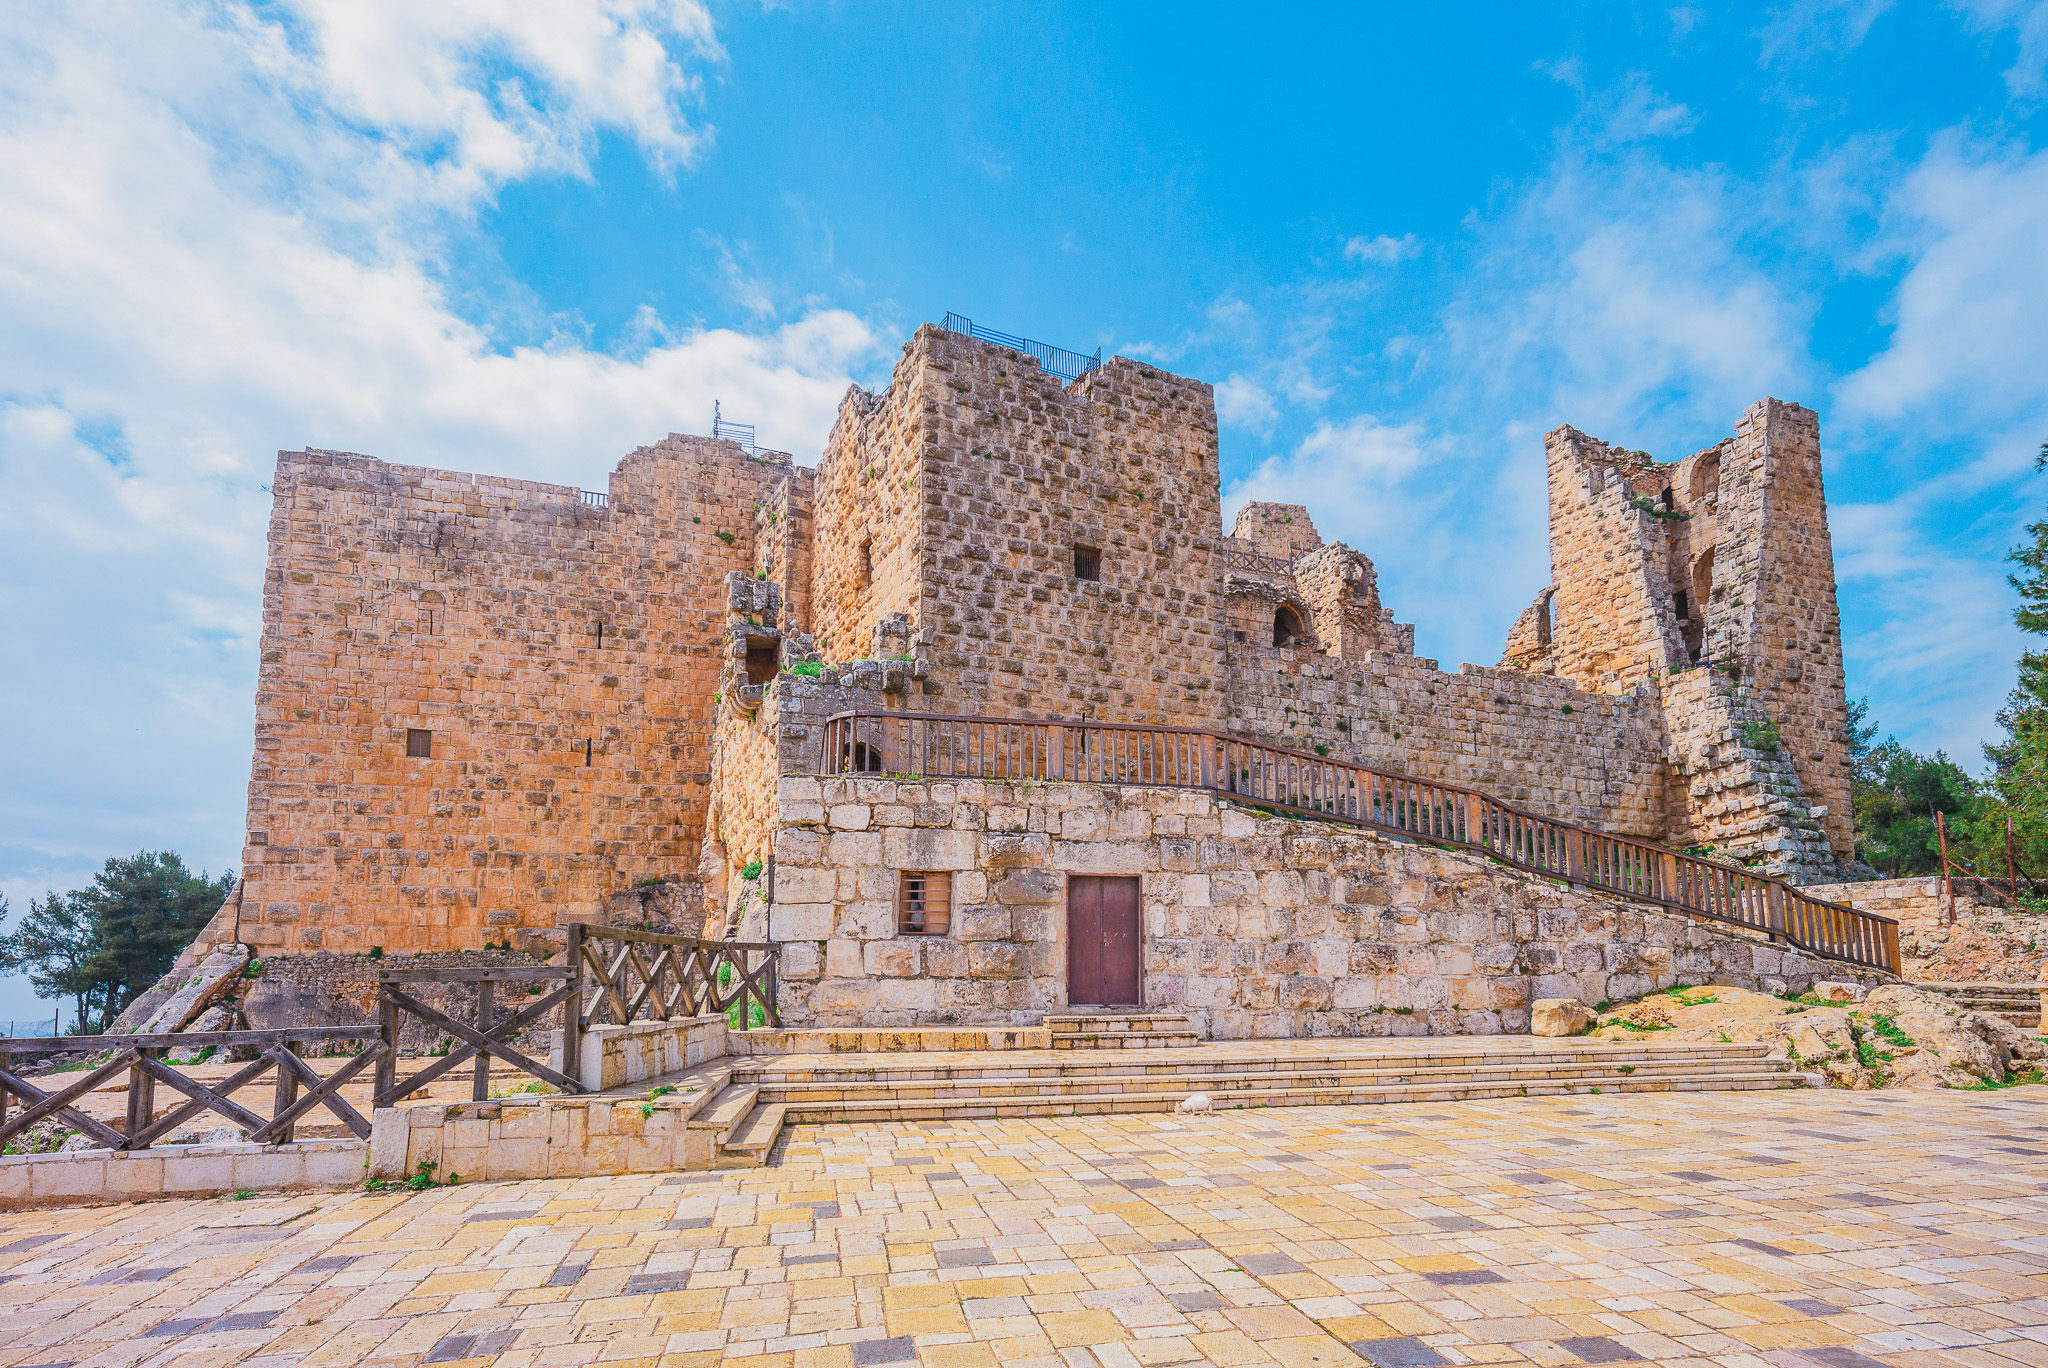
(488, 707)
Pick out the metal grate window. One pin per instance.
(924, 907)
(1087, 562)
(419, 743)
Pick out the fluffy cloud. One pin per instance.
(219, 230)
(1382, 249)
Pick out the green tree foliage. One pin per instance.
(1897, 793)
(101, 946)
(2018, 787)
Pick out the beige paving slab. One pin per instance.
(1741, 1230)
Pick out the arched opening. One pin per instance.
(863, 758)
(1706, 477)
(1692, 608)
(1287, 628)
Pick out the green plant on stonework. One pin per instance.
(1889, 1029)
(1625, 1068)
(810, 669)
(1322, 748)
(1761, 736)
(1567, 710)
(751, 870)
(242, 1194)
(725, 536)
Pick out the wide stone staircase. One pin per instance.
(1236, 1074)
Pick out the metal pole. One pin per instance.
(2012, 873)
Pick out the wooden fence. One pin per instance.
(934, 746)
(140, 1059)
(622, 975)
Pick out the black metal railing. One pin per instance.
(1067, 365)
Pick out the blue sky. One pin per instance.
(1402, 241)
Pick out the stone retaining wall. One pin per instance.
(1987, 942)
(97, 1177)
(1255, 926)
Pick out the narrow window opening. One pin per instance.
(1238, 635)
(419, 744)
(1287, 629)
(762, 663)
(867, 564)
(1087, 562)
(600, 636)
(924, 904)
(1666, 496)
(588, 747)
(1678, 602)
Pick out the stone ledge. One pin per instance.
(99, 1177)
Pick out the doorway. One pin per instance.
(1105, 940)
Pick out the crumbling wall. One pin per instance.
(564, 762)
(1276, 529)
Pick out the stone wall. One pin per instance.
(1254, 927)
(1018, 471)
(1533, 740)
(868, 547)
(1988, 942)
(402, 598)
(1722, 560)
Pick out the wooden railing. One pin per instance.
(140, 1058)
(1245, 555)
(932, 746)
(489, 1037)
(621, 975)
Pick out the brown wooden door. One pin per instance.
(1105, 942)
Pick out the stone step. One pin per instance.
(726, 1111)
(1178, 1085)
(1095, 1030)
(1123, 1040)
(1079, 1104)
(753, 1138)
(1120, 1064)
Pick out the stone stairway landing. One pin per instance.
(2025, 1005)
(1112, 1030)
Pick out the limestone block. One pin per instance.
(799, 960)
(799, 921)
(1556, 1016)
(981, 922)
(1029, 887)
(1007, 851)
(1835, 990)
(891, 958)
(798, 884)
(390, 1131)
(850, 850)
(920, 848)
(850, 816)
(996, 959)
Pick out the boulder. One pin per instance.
(1833, 991)
(1559, 1017)
(192, 991)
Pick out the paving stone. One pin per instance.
(1597, 1349)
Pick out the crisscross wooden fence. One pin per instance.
(936, 746)
(140, 1059)
(624, 975)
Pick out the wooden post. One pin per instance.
(486, 1018)
(141, 1096)
(2012, 865)
(1948, 884)
(771, 1014)
(1774, 906)
(572, 1009)
(286, 1093)
(387, 1063)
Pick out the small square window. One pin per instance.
(419, 744)
(1087, 562)
(924, 906)
(867, 564)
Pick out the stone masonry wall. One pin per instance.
(1254, 927)
(1016, 472)
(1988, 942)
(1533, 740)
(398, 597)
(868, 547)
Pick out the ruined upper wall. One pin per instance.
(1720, 561)
(563, 766)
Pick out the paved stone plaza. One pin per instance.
(1788, 1229)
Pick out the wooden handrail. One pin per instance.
(942, 746)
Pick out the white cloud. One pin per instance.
(1967, 346)
(1382, 249)
(218, 236)
(1243, 403)
(2028, 75)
